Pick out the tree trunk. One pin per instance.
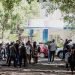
(18, 33)
(5, 19)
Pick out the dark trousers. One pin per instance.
(64, 52)
(72, 66)
(49, 59)
(12, 58)
(71, 61)
(67, 65)
(52, 54)
(8, 57)
(20, 60)
(17, 58)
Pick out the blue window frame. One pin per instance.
(45, 35)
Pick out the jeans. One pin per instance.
(17, 59)
(48, 56)
(52, 54)
(20, 60)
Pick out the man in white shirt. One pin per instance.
(52, 50)
(28, 51)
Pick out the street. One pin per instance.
(41, 68)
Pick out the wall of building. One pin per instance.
(53, 33)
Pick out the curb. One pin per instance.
(32, 70)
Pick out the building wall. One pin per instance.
(53, 33)
(61, 34)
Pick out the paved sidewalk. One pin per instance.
(41, 68)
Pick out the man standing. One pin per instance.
(17, 51)
(52, 50)
(12, 55)
(22, 55)
(65, 47)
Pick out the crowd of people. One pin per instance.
(21, 53)
(68, 53)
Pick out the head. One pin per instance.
(26, 44)
(12, 43)
(34, 44)
(17, 41)
(28, 41)
(53, 40)
(66, 40)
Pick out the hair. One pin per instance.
(53, 40)
(34, 44)
(12, 43)
(28, 41)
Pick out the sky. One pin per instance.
(53, 20)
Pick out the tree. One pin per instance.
(68, 13)
(22, 13)
(17, 13)
(67, 7)
(8, 7)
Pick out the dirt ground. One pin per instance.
(42, 68)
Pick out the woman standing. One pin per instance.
(35, 53)
(28, 51)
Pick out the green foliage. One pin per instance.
(65, 5)
(68, 10)
(14, 14)
(9, 4)
(12, 37)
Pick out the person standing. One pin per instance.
(22, 55)
(0, 51)
(67, 55)
(8, 52)
(71, 59)
(35, 52)
(53, 47)
(28, 51)
(65, 47)
(17, 51)
(12, 55)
